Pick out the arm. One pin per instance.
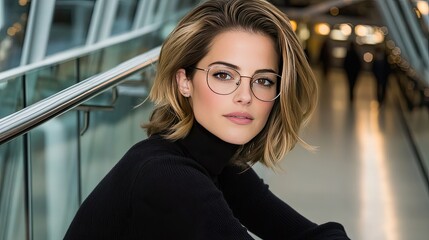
(266, 215)
(175, 199)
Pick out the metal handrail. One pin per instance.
(32, 116)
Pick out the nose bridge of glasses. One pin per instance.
(238, 83)
(241, 76)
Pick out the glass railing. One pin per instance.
(14, 214)
(40, 83)
(46, 172)
(49, 164)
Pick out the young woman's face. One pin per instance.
(237, 117)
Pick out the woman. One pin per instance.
(232, 88)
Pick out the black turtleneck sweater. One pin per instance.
(187, 190)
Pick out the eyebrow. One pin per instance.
(238, 68)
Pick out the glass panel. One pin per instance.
(54, 157)
(43, 83)
(124, 16)
(12, 191)
(112, 133)
(119, 53)
(90, 65)
(70, 25)
(13, 23)
(11, 99)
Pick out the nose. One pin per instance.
(243, 94)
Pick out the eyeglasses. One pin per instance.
(224, 80)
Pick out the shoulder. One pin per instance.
(155, 152)
(154, 145)
(156, 162)
(163, 167)
(157, 155)
(170, 173)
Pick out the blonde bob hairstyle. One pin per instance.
(190, 41)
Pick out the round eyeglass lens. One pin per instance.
(264, 86)
(223, 80)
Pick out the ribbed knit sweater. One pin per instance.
(187, 189)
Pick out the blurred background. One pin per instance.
(74, 74)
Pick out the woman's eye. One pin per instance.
(223, 76)
(264, 82)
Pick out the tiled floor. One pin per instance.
(364, 173)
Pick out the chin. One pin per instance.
(237, 139)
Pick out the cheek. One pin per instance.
(265, 110)
(203, 99)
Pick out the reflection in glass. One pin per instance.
(42, 83)
(111, 133)
(114, 55)
(54, 174)
(12, 191)
(90, 64)
(13, 23)
(11, 99)
(124, 16)
(70, 25)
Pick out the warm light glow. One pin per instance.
(346, 29)
(11, 31)
(294, 25)
(334, 11)
(371, 35)
(390, 44)
(418, 13)
(378, 205)
(322, 29)
(17, 26)
(362, 30)
(336, 34)
(423, 7)
(339, 52)
(396, 51)
(304, 33)
(368, 57)
(22, 2)
(378, 37)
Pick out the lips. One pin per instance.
(239, 118)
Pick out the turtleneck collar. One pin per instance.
(207, 149)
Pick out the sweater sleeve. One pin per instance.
(175, 199)
(267, 216)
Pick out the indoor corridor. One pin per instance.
(364, 173)
(74, 76)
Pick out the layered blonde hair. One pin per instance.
(190, 41)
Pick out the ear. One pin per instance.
(184, 84)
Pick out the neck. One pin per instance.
(207, 149)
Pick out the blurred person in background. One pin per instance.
(381, 71)
(352, 65)
(325, 58)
